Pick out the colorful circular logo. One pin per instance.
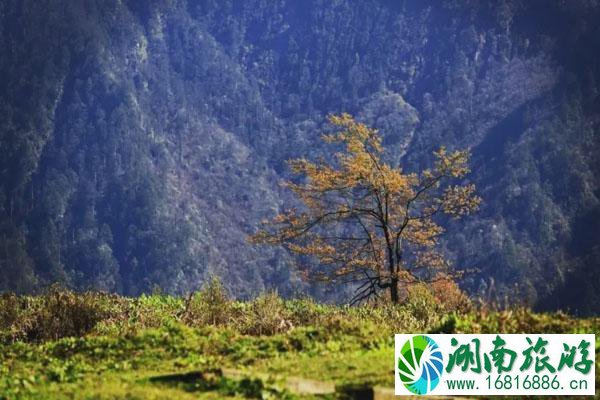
(420, 364)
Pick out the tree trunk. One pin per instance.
(391, 266)
(394, 290)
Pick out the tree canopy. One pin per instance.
(367, 222)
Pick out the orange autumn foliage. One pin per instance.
(449, 295)
(367, 222)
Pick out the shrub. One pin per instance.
(399, 319)
(58, 313)
(521, 320)
(422, 304)
(153, 311)
(210, 306)
(266, 315)
(450, 296)
(10, 307)
(305, 311)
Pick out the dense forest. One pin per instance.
(143, 141)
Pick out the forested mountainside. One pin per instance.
(142, 141)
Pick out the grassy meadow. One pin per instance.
(65, 345)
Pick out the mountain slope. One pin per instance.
(142, 141)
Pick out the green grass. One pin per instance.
(94, 346)
(356, 366)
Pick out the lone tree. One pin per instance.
(366, 222)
